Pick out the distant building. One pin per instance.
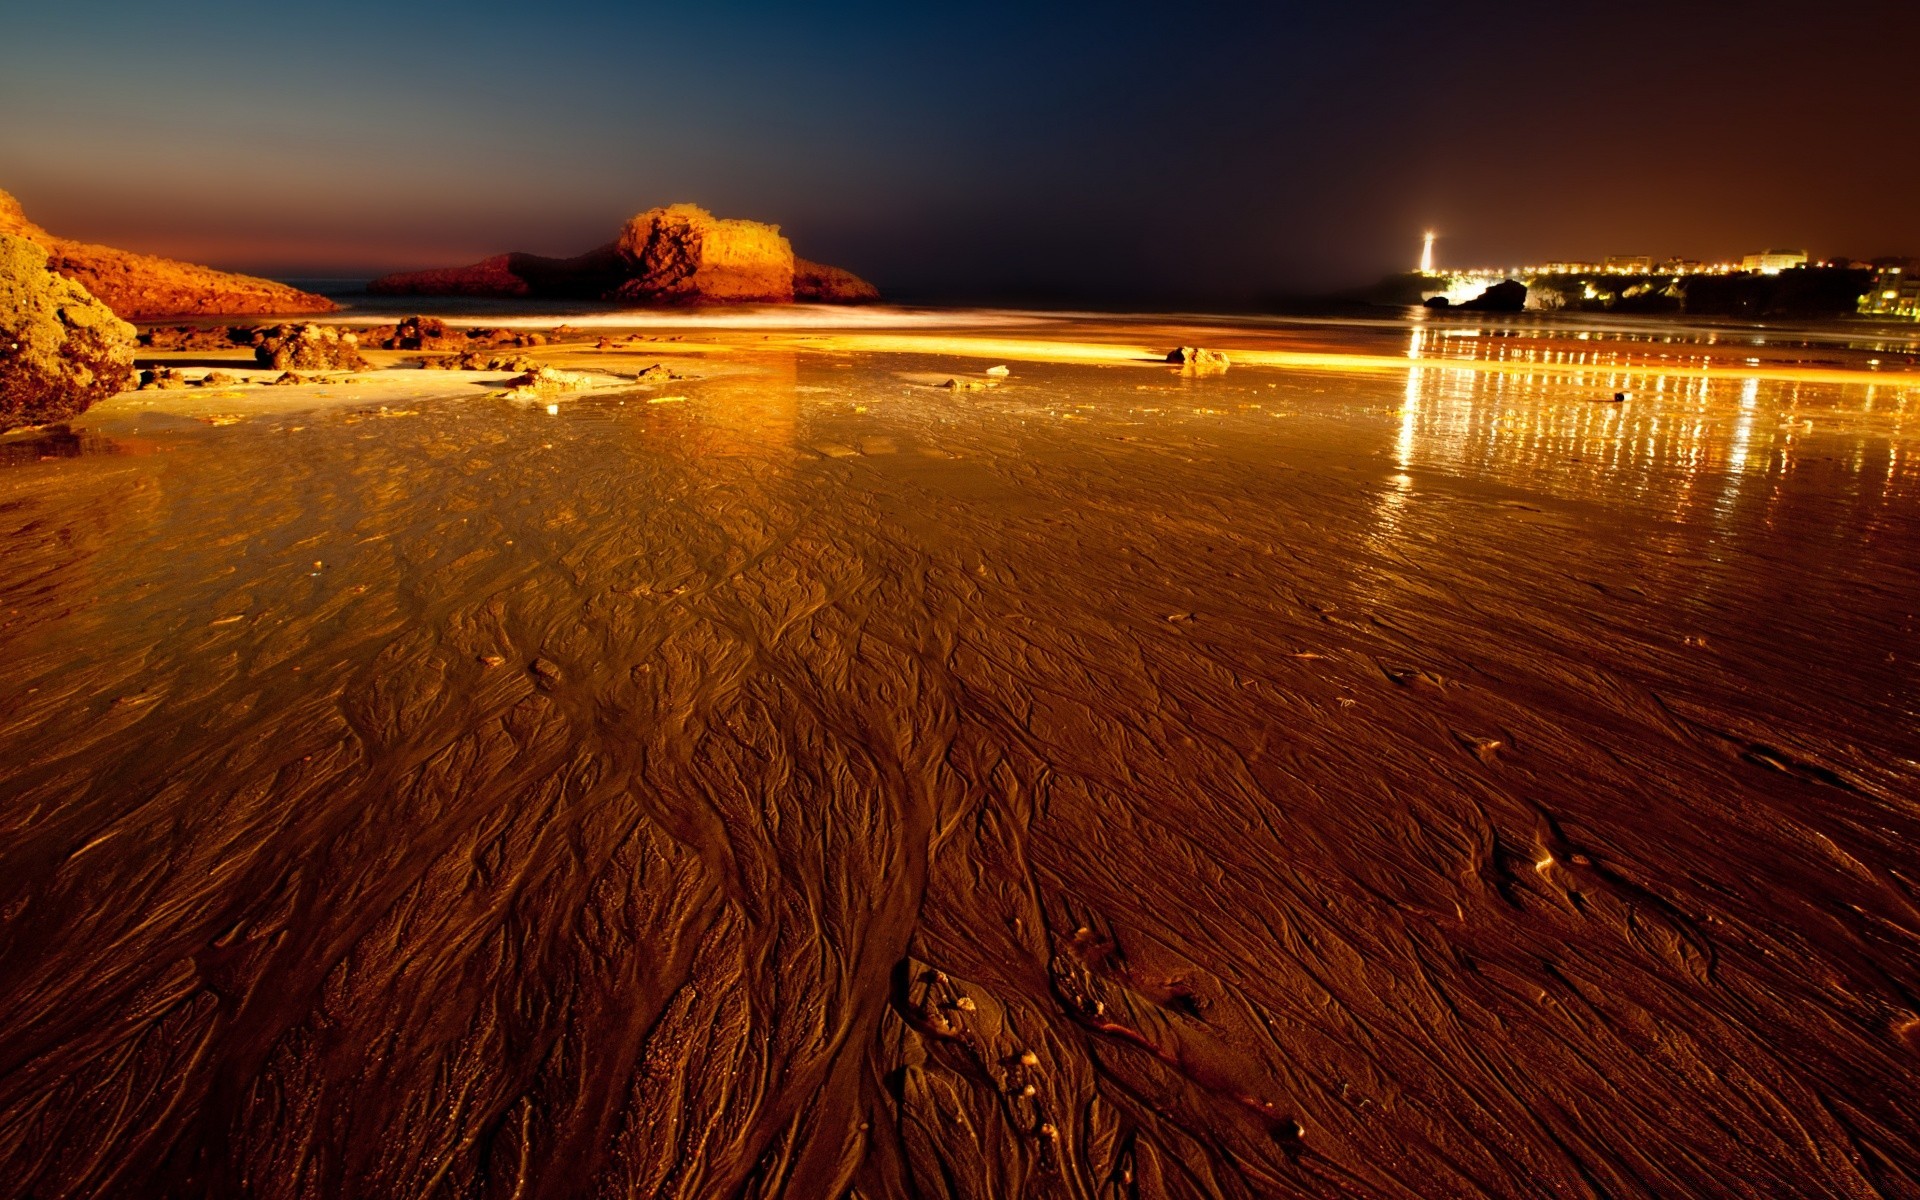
(1772, 262)
(1630, 264)
(1895, 293)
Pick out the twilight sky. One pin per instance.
(1019, 150)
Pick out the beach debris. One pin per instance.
(998, 372)
(1198, 359)
(307, 348)
(1620, 397)
(1486, 749)
(161, 379)
(959, 384)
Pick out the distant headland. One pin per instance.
(140, 286)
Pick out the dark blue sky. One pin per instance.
(1199, 151)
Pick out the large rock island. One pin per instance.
(141, 286)
(680, 254)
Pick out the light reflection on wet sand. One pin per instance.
(1416, 782)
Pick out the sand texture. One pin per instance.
(804, 779)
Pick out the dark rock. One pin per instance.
(1507, 296)
(60, 349)
(288, 379)
(161, 379)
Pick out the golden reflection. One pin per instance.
(1688, 439)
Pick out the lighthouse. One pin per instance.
(1426, 254)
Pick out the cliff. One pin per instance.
(680, 254)
(138, 286)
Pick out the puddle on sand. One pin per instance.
(54, 442)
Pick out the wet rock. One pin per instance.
(1199, 359)
(60, 348)
(288, 379)
(307, 348)
(219, 379)
(161, 379)
(961, 384)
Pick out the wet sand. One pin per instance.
(1404, 776)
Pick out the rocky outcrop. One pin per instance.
(60, 348)
(815, 283)
(415, 333)
(680, 254)
(307, 348)
(141, 286)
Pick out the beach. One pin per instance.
(1439, 757)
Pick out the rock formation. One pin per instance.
(680, 254)
(139, 286)
(685, 255)
(60, 348)
(1507, 296)
(307, 348)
